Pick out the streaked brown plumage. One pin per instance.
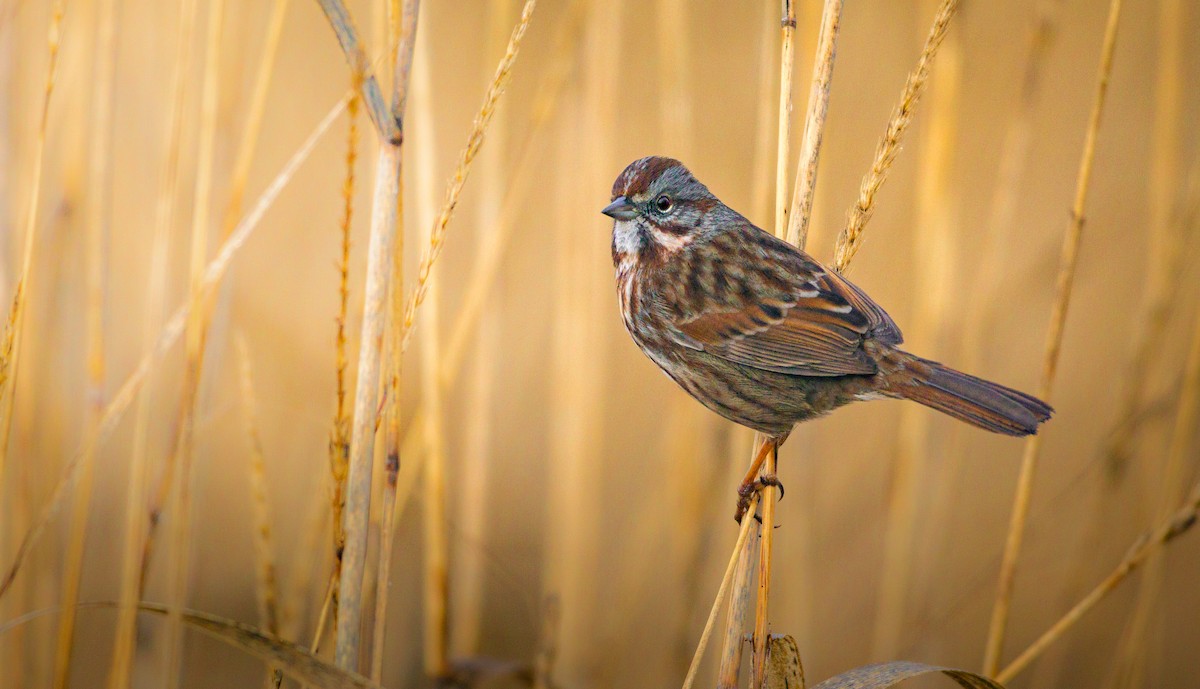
(760, 332)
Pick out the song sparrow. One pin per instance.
(760, 332)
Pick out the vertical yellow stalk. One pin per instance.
(136, 518)
(474, 474)
(576, 360)
(266, 586)
(10, 349)
(180, 543)
(339, 442)
(436, 569)
(814, 124)
(380, 258)
(1066, 276)
(933, 255)
(761, 618)
(99, 217)
(722, 591)
(731, 653)
(1163, 178)
(400, 23)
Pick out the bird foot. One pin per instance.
(750, 488)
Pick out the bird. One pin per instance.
(762, 333)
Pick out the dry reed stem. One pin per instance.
(232, 213)
(401, 30)
(391, 434)
(434, 492)
(933, 257)
(851, 237)
(783, 137)
(435, 561)
(391, 428)
(437, 234)
(10, 350)
(339, 441)
(722, 592)
(195, 339)
(488, 261)
(783, 142)
(739, 604)
(1131, 653)
(384, 224)
(814, 124)
(98, 227)
(1143, 548)
(1162, 275)
(487, 264)
(474, 475)
(1066, 277)
(254, 116)
(1166, 239)
(267, 588)
(387, 123)
(167, 337)
(136, 517)
(761, 638)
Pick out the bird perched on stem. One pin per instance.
(759, 331)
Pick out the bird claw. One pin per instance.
(748, 489)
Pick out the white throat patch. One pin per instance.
(625, 237)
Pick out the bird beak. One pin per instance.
(621, 209)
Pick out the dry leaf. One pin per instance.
(890, 674)
(784, 670)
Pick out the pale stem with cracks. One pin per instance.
(384, 221)
(814, 124)
(1066, 276)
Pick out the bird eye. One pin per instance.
(664, 203)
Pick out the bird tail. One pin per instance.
(979, 402)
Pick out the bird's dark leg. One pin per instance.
(752, 483)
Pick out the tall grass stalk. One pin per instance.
(782, 159)
(437, 234)
(1066, 277)
(384, 222)
(722, 592)
(436, 559)
(473, 477)
(339, 441)
(232, 213)
(179, 546)
(1146, 546)
(401, 30)
(576, 359)
(933, 256)
(254, 116)
(98, 226)
(167, 337)
(520, 179)
(1162, 277)
(814, 124)
(10, 349)
(266, 586)
(136, 517)
(851, 237)
(733, 639)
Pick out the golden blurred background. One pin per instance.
(587, 500)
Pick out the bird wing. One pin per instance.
(787, 314)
